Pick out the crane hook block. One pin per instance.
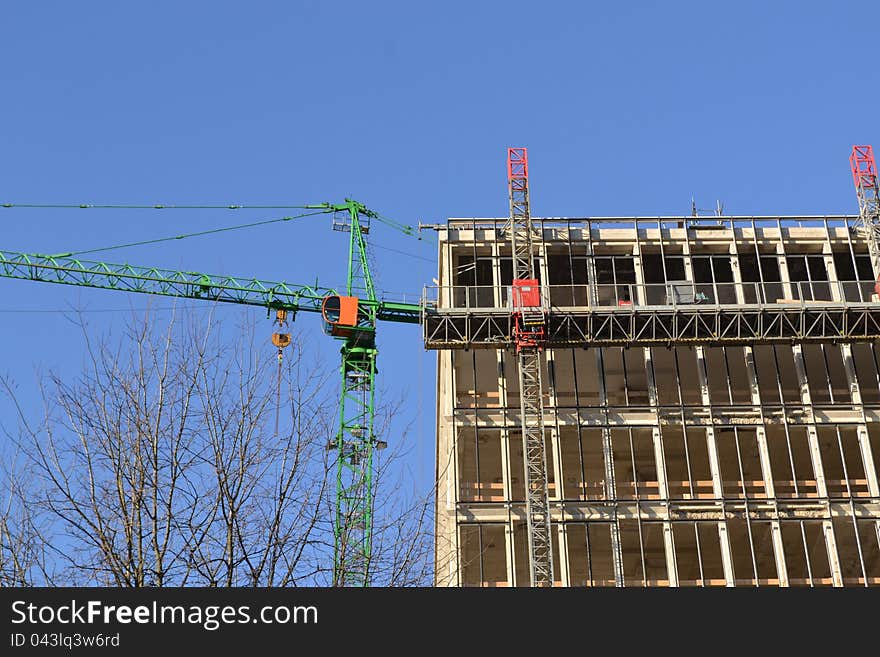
(281, 340)
(340, 315)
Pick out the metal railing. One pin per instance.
(699, 224)
(655, 295)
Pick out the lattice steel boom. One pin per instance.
(187, 284)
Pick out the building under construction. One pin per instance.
(708, 398)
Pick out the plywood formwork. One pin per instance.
(701, 461)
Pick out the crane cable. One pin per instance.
(281, 339)
(184, 236)
(407, 230)
(412, 231)
(156, 206)
(278, 395)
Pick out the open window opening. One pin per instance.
(698, 554)
(483, 555)
(583, 463)
(480, 473)
(590, 561)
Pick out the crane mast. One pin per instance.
(864, 172)
(528, 309)
(355, 442)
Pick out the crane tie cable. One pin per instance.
(156, 206)
(404, 228)
(187, 235)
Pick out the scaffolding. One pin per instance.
(680, 311)
(711, 402)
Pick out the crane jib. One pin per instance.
(183, 284)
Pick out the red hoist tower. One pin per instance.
(864, 171)
(529, 310)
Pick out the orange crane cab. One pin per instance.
(340, 315)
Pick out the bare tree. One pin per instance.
(168, 462)
(23, 558)
(402, 552)
(258, 527)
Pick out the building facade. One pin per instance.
(711, 396)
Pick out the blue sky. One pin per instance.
(626, 108)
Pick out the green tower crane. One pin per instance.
(350, 317)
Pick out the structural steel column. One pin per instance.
(610, 486)
(871, 473)
(766, 471)
(816, 459)
(715, 468)
(506, 472)
(660, 464)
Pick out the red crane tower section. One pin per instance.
(864, 172)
